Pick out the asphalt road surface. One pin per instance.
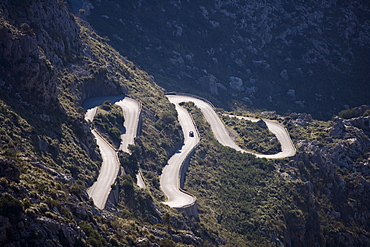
(131, 113)
(101, 188)
(223, 136)
(170, 178)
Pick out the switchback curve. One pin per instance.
(177, 198)
(131, 109)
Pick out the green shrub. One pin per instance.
(167, 243)
(10, 207)
(109, 121)
(366, 113)
(93, 237)
(114, 242)
(349, 113)
(115, 133)
(31, 212)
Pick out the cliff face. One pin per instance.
(41, 42)
(335, 194)
(33, 47)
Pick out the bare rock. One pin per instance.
(262, 124)
(142, 242)
(338, 128)
(284, 74)
(291, 94)
(188, 238)
(301, 119)
(56, 232)
(32, 58)
(236, 83)
(361, 123)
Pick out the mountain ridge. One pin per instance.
(285, 56)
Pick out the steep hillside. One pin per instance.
(277, 55)
(320, 197)
(50, 62)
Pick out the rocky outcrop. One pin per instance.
(33, 48)
(338, 171)
(42, 45)
(236, 83)
(262, 124)
(306, 46)
(25, 66)
(362, 123)
(301, 119)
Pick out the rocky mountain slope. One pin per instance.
(317, 198)
(52, 60)
(334, 167)
(277, 55)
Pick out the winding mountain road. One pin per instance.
(101, 188)
(171, 175)
(287, 147)
(170, 179)
(223, 136)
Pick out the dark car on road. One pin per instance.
(191, 134)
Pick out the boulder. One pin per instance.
(262, 124)
(291, 94)
(361, 123)
(336, 131)
(284, 74)
(236, 83)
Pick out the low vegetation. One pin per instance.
(109, 122)
(238, 193)
(252, 136)
(48, 157)
(259, 202)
